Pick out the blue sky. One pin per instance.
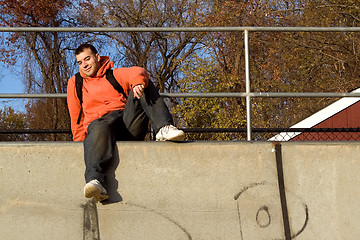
(10, 82)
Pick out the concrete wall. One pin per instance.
(190, 191)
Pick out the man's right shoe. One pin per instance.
(96, 190)
(170, 133)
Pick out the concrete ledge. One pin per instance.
(198, 190)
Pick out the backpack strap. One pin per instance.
(110, 77)
(79, 83)
(78, 86)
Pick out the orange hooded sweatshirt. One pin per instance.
(99, 96)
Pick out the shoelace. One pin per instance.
(167, 128)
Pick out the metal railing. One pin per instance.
(248, 94)
(282, 134)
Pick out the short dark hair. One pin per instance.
(84, 46)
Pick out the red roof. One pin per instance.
(344, 113)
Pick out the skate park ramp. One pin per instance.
(183, 191)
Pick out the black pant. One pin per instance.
(130, 124)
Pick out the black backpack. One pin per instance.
(79, 83)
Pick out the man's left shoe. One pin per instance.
(170, 133)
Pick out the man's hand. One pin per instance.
(138, 91)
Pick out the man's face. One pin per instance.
(89, 63)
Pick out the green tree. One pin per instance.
(10, 120)
(202, 74)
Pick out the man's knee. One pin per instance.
(99, 128)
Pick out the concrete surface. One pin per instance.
(196, 191)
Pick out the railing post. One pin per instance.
(247, 79)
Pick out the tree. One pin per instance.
(43, 56)
(202, 74)
(9, 119)
(309, 62)
(185, 61)
(287, 62)
(227, 73)
(160, 53)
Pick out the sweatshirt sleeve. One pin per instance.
(74, 106)
(130, 77)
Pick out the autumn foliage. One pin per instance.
(192, 62)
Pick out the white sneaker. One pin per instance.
(170, 133)
(96, 190)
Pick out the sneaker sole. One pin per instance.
(92, 191)
(177, 138)
(180, 137)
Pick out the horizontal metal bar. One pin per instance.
(269, 130)
(179, 29)
(201, 95)
(32, 95)
(304, 94)
(34, 131)
(196, 130)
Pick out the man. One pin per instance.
(107, 115)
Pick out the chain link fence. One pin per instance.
(238, 134)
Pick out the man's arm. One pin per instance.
(134, 78)
(74, 106)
